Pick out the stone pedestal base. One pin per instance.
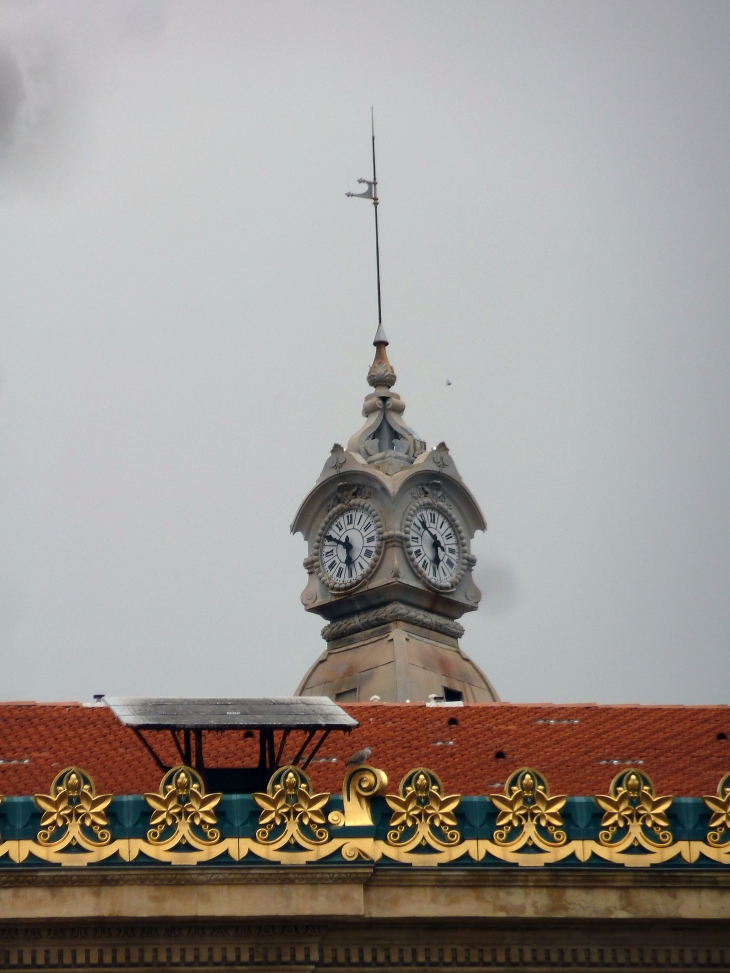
(398, 662)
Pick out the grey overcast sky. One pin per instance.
(187, 309)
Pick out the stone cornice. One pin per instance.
(395, 612)
(452, 878)
(181, 876)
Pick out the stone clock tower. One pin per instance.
(388, 524)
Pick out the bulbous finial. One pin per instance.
(381, 372)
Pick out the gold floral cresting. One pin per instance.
(633, 815)
(290, 813)
(182, 813)
(72, 813)
(527, 814)
(422, 814)
(719, 805)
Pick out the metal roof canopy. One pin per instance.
(187, 719)
(283, 712)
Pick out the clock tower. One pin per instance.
(388, 525)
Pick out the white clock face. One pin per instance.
(433, 544)
(350, 546)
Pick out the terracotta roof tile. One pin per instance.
(578, 747)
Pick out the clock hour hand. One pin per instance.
(333, 540)
(435, 541)
(347, 544)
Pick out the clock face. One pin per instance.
(433, 544)
(350, 546)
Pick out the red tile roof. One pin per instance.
(579, 748)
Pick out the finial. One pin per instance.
(380, 338)
(381, 371)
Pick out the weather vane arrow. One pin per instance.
(372, 193)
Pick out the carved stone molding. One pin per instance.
(199, 945)
(346, 494)
(43, 877)
(390, 613)
(513, 957)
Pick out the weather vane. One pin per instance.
(372, 193)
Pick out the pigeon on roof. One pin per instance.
(360, 757)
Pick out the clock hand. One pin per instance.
(334, 540)
(435, 541)
(347, 544)
(427, 531)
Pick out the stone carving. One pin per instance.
(346, 493)
(432, 490)
(381, 374)
(394, 612)
(338, 458)
(385, 441)
(441, 456)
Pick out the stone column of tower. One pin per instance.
(388, 525)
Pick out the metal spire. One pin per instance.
(372, 193)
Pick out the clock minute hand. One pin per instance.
(434, 539)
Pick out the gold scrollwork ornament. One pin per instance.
(527, 814)
(290, 813)
(633, 816)
(182, 813)
(72, 813)
(422, 815)
(719, 804)
(359, 786)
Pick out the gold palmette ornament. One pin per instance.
(290, 813)
(719, 805)
(72, 813)
(527, 814)
(422, 815)
(633, 815)
(182, 813)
